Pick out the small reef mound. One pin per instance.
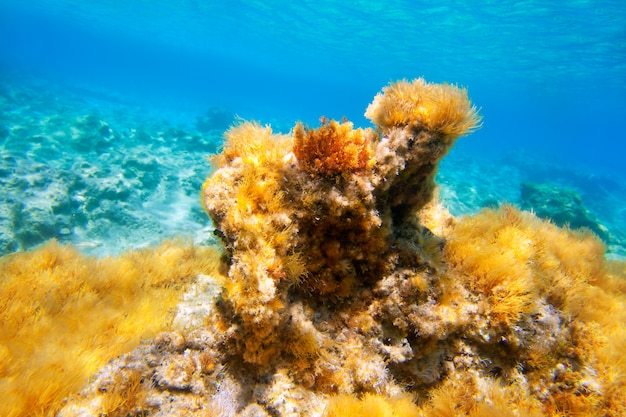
(348, 290)
(320, 216)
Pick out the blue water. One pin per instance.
(549, 77)
(544, 73)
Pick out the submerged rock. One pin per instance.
(562, 206)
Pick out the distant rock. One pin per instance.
(215, 118)
(562, 206)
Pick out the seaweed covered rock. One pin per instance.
(327, 210)
(348, 289)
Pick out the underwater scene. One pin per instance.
(314, 208)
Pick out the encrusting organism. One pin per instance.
(347, 289)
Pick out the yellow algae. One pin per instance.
(64, 315)
(441, 108)
(371, 406)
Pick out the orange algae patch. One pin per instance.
(64, 315)
(333, 148)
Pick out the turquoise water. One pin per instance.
(102, 147)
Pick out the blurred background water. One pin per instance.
(549, 77)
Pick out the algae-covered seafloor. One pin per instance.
(339, 284)
(96, 172)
